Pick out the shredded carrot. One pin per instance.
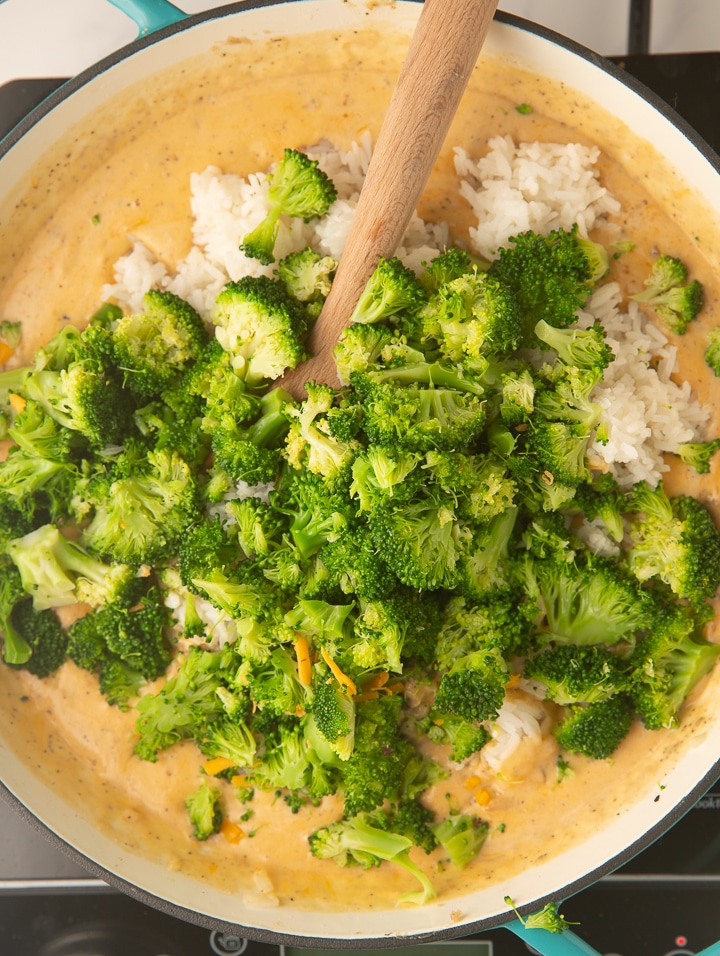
(472, 782)
(341, 678)
(217, 765)
(5, 352)
(239, 780)
(17, 403)
(366, 695)
(482, 797)
(397, 688)
(513, 681)
(231, 831)
(302, 651)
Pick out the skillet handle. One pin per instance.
(552, 944)
(150, 15)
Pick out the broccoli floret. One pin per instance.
(668, 663)
(669, 296)
(252, 454)
(57, 571)
(712, 350)
(550, 276)
(40, 436)
(309, 443)
(84, 398)
(262, 327)
(186, 704)
(16, 649)
(602, 499)
(401, 413)
(204, 811)
(205, 548)
(366, 840)
(461, 837)
(275, 685)
(334, 715)
(474, 686)
(355, 567)
(675, 540)
(548, 918)
(155, 346)
(486, 566)
(44, 635)
(298, 189)
(470, 626)
(584, 674)
(581, 348)
(391, 289)
(464, 737)
(119, 683)
(596, 730)
(257, 525)
(698, 454)
(472, 317)
(359, 347)
(588, 601)
(308, 277)
(518, 397)
(231, 738)
(374, 771)
(413, 820)
(421, 540)
(141, 516)
(222, 390)
(560, 449)
(448, 265)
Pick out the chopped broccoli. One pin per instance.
(308, 277)
(155, 346)
(186, 704)
(444, 268)
(578, 674)
(581, 348)
(359, 347)
(675, 540)
(56, 571)
(392, 288)
(44, 635)
(474, 685)
(204, 811)
(548, 918)
(698, 454)
(119, 683)
(16, 649)
(298, 189)
(712, 350)
(551, 276)
(474, 316)
(596, 730)
(141, 516)
(461, 837)
(367, 840)
(334, 715)
(230, 737)
(668, 663)
(464, 737)
(309, 443)
(262, 327)
(669, 296)
(252, 454)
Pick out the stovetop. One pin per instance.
(662, 903)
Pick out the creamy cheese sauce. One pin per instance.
(126, 173)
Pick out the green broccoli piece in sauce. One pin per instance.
(298, 189)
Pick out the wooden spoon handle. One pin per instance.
(442, 54)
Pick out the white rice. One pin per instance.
(538, 186)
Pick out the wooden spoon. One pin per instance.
(443, 52)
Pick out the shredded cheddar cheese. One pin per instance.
(302, 652)
(341, 678)
(215, 766)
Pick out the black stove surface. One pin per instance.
(662, 903)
